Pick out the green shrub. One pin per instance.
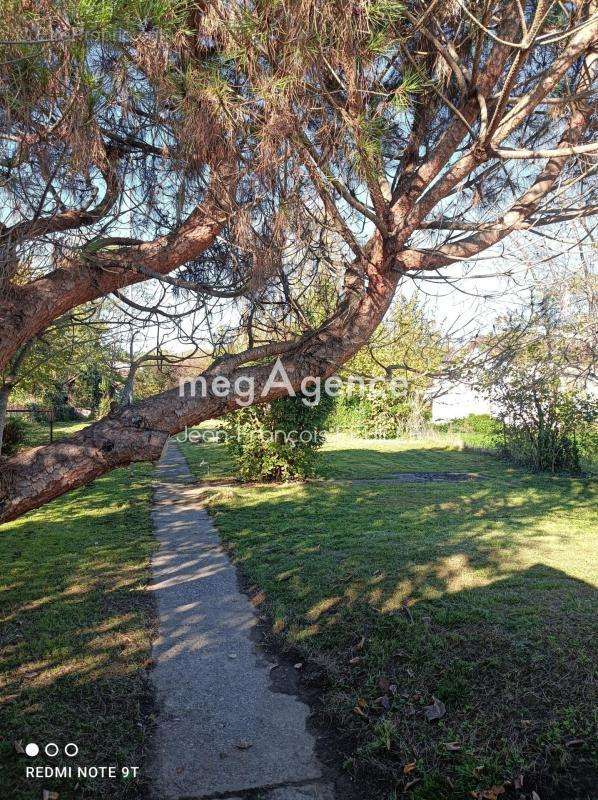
(378, 414)
(61, 412)
(587, 444)
(476, 430)
(277, 441)
(549, 429)
(478, 423)
(351, 414)
(17, 432)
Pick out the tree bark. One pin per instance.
(4, 395)
(126, 394)
(25, 311)
(139, 432)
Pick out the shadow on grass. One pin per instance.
(431, 535)
(514, 665)
(211, 460)
(476, 594)
(387, 456)
(75, 634)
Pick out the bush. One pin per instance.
(547, 428)
(61, 412)
(535, 372)
(64, 413)
(17, 432)
(587, 445)
(351, 414)
(277, 441)
(477, 423)
(379, 414)
(476, 430)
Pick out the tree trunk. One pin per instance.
(126, 394)
(139, 432)
(4, 395)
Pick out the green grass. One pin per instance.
(75, 631)
(344, 456)
(41, 433)
(65, 429)
(38, 433)
(347, 457)
(209, 460)
(480, 594)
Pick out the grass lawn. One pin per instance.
(40, 433)
(480, 595)
(75, 629)
(347, 457)
(64, 429)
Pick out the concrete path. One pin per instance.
(221, 729)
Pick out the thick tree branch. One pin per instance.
(139, 432)
(29, 309)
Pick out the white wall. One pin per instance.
(458, 401)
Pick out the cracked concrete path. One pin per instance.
(221, 729)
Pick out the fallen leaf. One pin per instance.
(411, 783)
(408, 768)
(518, 782)
(362, 703)
(535, 796)
(354, 660)
(18, 747)
(360, 643)
(47, 795)
(243, 745)
(357, 710)
(452, 746)
(383, 701)
(232, 655)
(435, 711)
(298, 665)
(392, 688)
(574, 742)
(492, 793)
